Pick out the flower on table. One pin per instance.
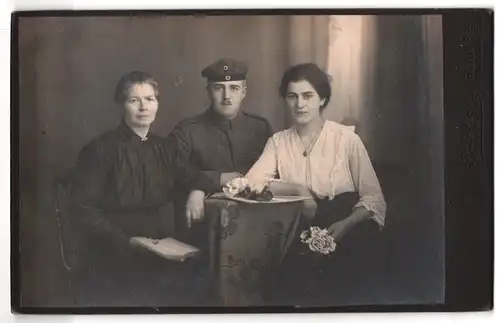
(243, 188)
(236, 186)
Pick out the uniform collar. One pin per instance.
(130, 134)
(223, 124)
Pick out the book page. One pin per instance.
(169, 248)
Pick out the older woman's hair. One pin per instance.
(133, 78)
(311, 73)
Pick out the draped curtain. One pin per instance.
(308, 41)
(431, 123)
(350, 64)
(382, 67)
(343, 46)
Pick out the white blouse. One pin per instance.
(337, 163)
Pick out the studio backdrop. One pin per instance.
(386, 74)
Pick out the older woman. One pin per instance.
(124, 183)
(328, 162)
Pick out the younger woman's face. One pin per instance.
(140, 105)
(303, 101)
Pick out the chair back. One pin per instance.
(67, 235)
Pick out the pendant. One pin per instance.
(304, 153)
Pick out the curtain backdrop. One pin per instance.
(351, 57)
(308, 41)
(387, 76)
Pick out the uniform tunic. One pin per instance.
(211, 146)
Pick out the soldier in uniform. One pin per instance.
(220, 144)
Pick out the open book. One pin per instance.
(168, 248)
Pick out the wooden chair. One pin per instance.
(67, 234)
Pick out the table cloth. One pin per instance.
(247, 245)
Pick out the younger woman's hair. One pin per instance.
(311, 73)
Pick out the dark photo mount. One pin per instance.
(467, 176)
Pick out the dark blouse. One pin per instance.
(122, 183)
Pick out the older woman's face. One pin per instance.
(303, 101)
(140, 105)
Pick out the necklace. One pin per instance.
(312, 142)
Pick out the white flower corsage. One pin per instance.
(318, 240)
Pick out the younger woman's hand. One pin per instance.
(340, 228)
(257, 186)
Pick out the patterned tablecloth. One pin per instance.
(247, 244)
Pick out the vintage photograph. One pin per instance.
(230, 160)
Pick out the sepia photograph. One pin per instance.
(230, 160)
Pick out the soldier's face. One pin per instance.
(303, 102)
(226, 97)
(140, 105)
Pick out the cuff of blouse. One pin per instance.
(368, 215)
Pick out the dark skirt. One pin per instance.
(308, 278)
(126, 275)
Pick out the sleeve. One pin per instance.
(365, 180)
(189, 175)
(87, 190)
(266, 167)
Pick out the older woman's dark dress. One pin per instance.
(123, 188)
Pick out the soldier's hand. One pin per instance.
(195, 207)
(226, 177)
